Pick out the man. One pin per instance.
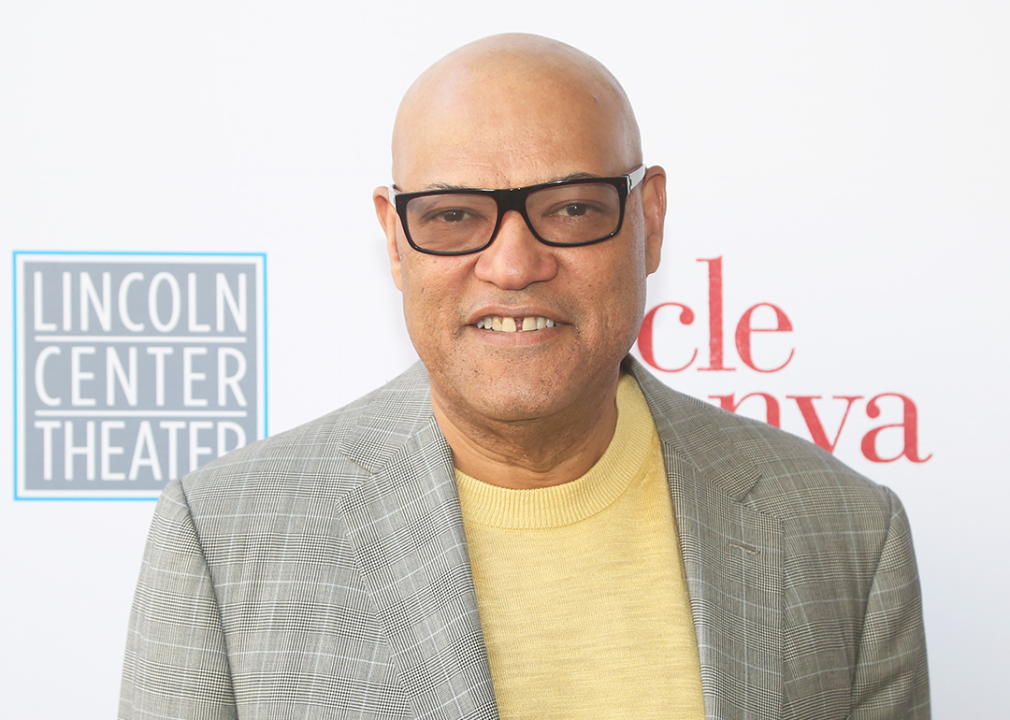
(528, 524)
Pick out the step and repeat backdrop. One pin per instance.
(194, 263)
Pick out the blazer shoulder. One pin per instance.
(796, 469)
(324, 457)
(758, 464)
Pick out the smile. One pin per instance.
(507, 324)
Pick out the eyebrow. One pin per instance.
(561, 178)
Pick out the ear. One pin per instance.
(654, 209)
(386, 212)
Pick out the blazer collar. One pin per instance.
(691, 426)
(396, 412)
(405, 523)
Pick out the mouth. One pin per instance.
(508, 324)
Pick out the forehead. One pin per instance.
(508, 127)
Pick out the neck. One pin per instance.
(532, 453)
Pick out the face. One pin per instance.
(468, 135)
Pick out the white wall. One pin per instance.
(849, 162)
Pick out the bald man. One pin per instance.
(526, 524)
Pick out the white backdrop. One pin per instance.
(849, 162)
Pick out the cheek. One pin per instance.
(432, 293)
(620, 291)
(414, 288)
(620, 303)
(419, 277)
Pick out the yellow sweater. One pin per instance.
(581, 586)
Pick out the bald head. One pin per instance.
(511, 110)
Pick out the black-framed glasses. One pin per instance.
(564, 213)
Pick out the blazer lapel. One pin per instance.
(405, 525)
(733, 559)
(733, 563)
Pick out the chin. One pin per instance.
(517, 404)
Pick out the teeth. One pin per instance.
(508, 324)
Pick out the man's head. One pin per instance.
(504, 112)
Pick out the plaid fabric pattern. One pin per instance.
(323, 573)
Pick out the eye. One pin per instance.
(453, 215)
(575, 210)
(441, 212)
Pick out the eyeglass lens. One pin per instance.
(565, 214)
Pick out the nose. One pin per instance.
(516, 259)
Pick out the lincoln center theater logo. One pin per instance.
(132, 369)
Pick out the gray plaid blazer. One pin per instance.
(323, 573)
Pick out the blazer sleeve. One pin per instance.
(176, 662)
(891, 678)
